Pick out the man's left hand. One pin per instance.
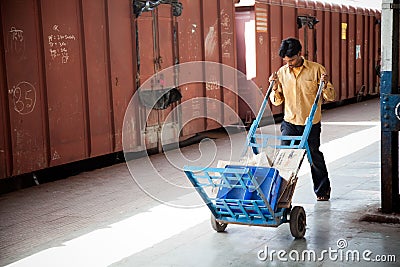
(324, 77)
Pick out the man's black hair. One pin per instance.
(289, 47)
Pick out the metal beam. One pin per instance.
(389, 91)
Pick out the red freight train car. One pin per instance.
(68, 76)
(345, 39)
(69, 69)
(197, 34)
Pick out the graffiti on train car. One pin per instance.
(24, 97)
(212, 84)
(16, 43)
(58, 44)
(227, 36)
(211, 41)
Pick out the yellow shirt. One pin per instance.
(298, 91)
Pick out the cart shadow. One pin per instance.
(299, 244)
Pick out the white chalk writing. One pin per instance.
(24, 97)
(58, 45)
(212, 83)
(16, 41)
(17, 35)
(226, 34)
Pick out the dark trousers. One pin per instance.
(318, 168)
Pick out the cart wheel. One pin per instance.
(217, 226)
(298, 222)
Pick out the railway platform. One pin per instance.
(106, 218)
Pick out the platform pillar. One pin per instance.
(390, 106)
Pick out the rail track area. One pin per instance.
(105, 218)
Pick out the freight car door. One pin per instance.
(156, 52)
(306, 25)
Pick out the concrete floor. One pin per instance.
(106, 217)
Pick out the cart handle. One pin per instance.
(256, 122)
(310, 117)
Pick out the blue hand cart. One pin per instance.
(257, 195)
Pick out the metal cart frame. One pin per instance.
(265, 208)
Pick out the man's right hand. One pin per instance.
(274, 78)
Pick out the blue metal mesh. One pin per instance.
(243, 195)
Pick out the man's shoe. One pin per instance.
(326, 197)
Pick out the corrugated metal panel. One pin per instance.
(65, 81)
(262, 44)
(245, 58)
(211, 35)
(366, 59)
(147, 55)
(305, 34)
(156, 31)
(335, 32)
(371, 50)
(146, 44)
(191, 49)
(351, 59)
(320, 52)
(312, 36)
(228, 57)
(24, 86)
(166, 44)
(252, 58)
(5, 142)
(327, 60)
(122, 62)
(276, 35)
(359, 49)
(344, 52)
(165, 36)
(377, 52)
(289, 13)
(99, 95)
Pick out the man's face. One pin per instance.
(293, 62)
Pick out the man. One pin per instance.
(296, 84)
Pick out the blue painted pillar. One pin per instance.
(390, 106)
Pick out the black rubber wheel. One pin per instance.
(217, 226)
(298, 222)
